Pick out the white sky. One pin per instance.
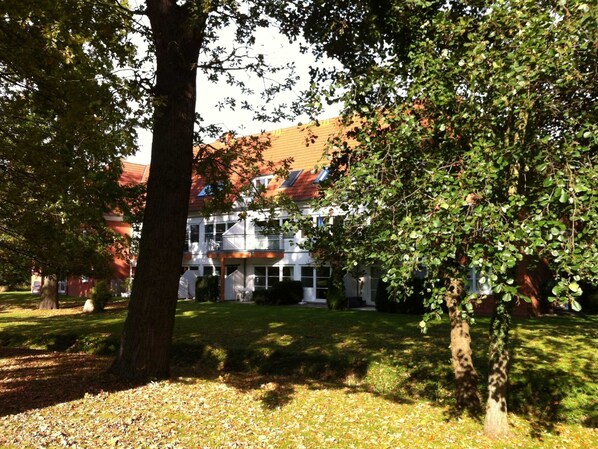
(277, 50)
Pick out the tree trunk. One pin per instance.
(147, 335)
(496, 424)
(466, 377)
(49, 293)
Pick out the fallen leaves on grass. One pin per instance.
(65, 400)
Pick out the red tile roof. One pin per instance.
(304, 144)
(133, 173)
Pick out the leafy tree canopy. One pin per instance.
(476, 146)
(65, 123)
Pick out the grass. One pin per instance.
(317, 378)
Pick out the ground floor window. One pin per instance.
(266, 277)
(375, 275)
(316, 278)
(474, 285)
(209, 270)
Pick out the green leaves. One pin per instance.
(489, 124)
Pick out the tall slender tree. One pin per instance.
(184, 39)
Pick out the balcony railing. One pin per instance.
(247, 242)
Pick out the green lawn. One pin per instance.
(365, 369)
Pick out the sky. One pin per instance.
(277, 50)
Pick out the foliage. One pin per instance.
(100, 295)
(473, 143)
(207, 288)
(66, 122)
(383, 302)
(288, 292)
(16, 274)
(282, 294)
(336, 298)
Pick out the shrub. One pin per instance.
(281, 294)
(287, 293)
(100, 295)
(589, 299)
(263, 297)
(207, 288)
(383, 302)
(410, 301)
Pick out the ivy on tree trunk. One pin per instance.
(495, 423)
(466, 376)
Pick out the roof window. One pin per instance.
(262, 181)
(322, 176)
(211, 189)
(291, 179)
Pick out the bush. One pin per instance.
(589, 299)
(263, 297)
(281, 294)
(383, 302)
(287, 292)
(410, 301)
(207, 288)
(100, 295)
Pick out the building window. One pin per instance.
(262, 181)
(192, 236)
(214, 232)
(288, 273)
(209, 270)
(211, 189)
(266, 277)
(474, 285)
(291, 179)
(316, 278)
(322, 176)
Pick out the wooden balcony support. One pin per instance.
(255, 254)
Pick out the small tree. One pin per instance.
(100, 295)
(475, 147)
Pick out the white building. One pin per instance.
(240, 250)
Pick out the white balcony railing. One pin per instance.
(247, 242)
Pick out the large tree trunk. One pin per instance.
(49, 293)
(466, 377)
(496, 424)
(147, 335)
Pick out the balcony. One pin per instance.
(244, 241)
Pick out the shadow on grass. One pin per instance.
(32, 379)
(275, 349)
(554, 377)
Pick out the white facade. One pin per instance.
(256, 261)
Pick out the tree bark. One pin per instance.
(49, 293)
(466, 377)
(496, 423)
(147, 335)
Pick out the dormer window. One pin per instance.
(211, 189)
(322, 176)
(262, 181)
(291, 179)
